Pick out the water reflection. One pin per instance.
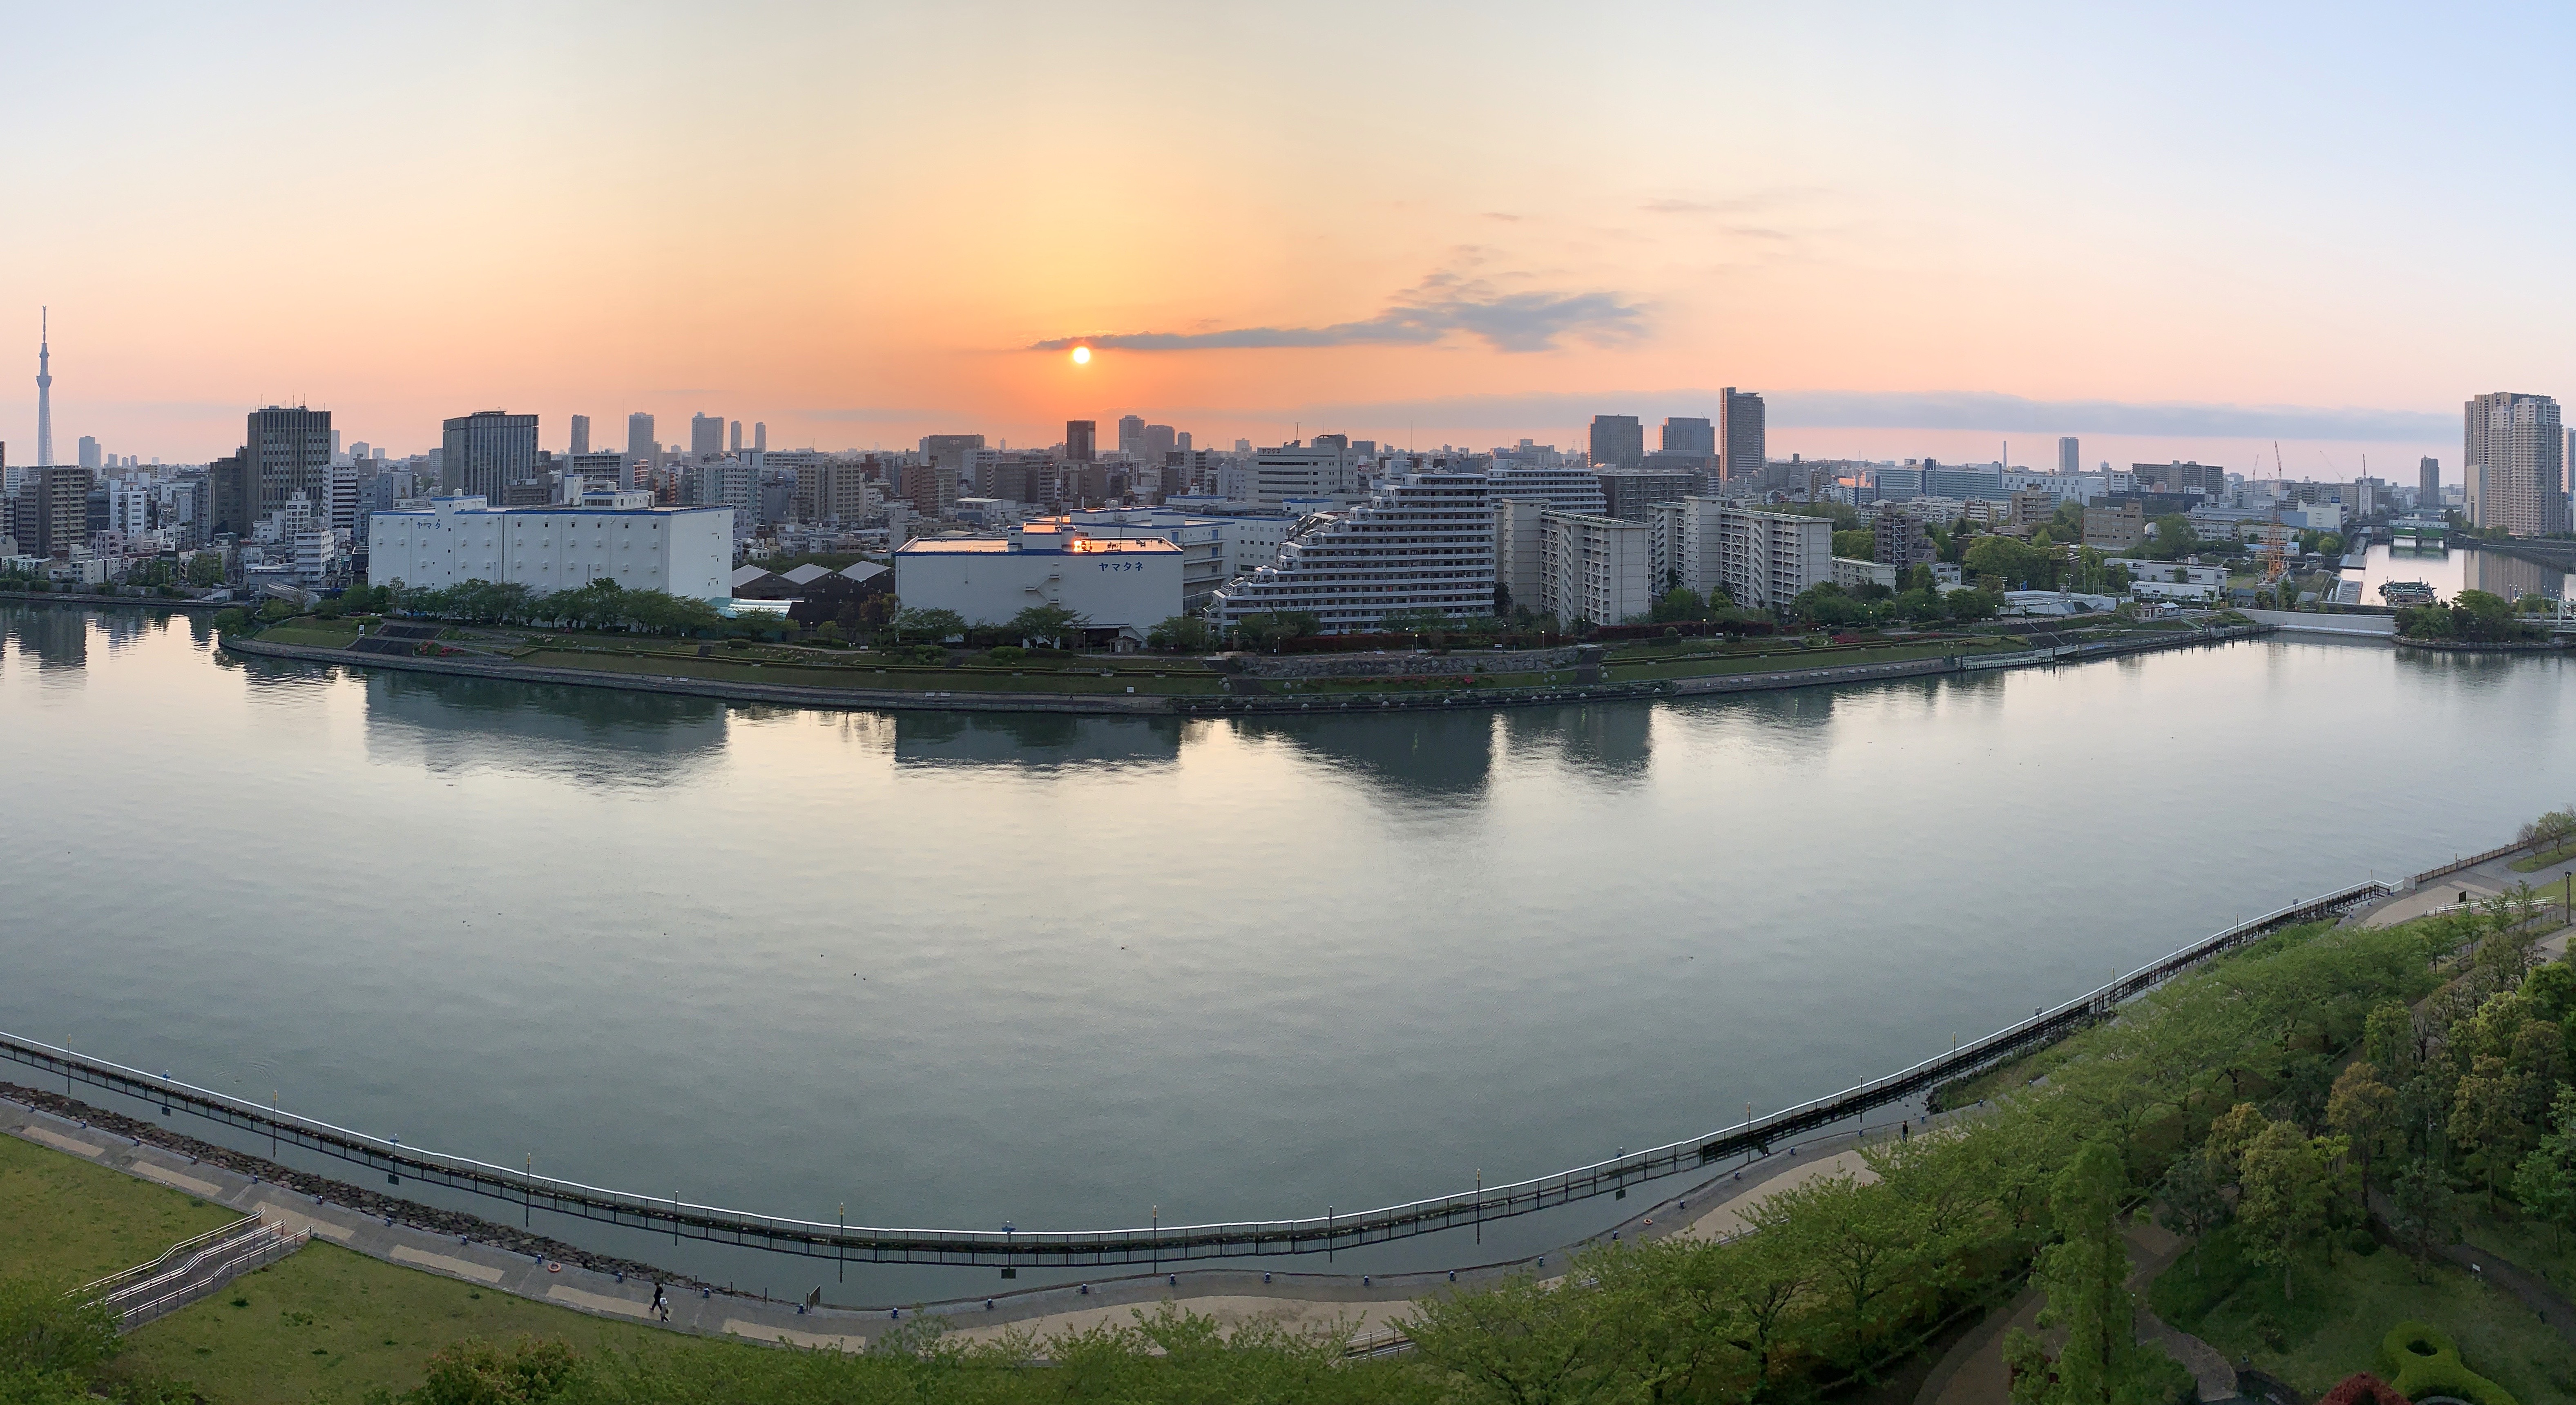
(1033, 740)
(597, 736)
(1610, 742)
(1443, 756)
(54, 637)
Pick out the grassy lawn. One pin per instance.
(2537, 862)
(312, 633)
(2535, 1247)
(330, 1324)
(2333, 1326)
(67, 1221)
(325, 1324)
(868, 675)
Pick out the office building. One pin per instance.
(1322, 469)
(1744, 444)
(1081, 441)
(706, 437)
(736, 450)
(485, 453)
(600, 470)
(1131, 435)
(2513, 464)
(1899, 540)
(2116, 526)
(288, 452)
(948, 451)
(614, 535)
(229, 497)
(1157, 441)
(2070, 455)
(1688, 436)
(1111, 582)
(760, 436)
(640, 444)
(89, 457)
(1422, 541)
(1618, 441)
(2208, 480)
(580, 437)
(2428, 486)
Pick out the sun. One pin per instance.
(1082, 356)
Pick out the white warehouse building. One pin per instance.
(1125, 583)
(620, 536)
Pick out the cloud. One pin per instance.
(1442, 304)
(1943, 410)
(876, 414)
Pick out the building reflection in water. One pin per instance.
(1420, 756)
(593, 736)
(1033, 740)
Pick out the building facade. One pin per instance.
(1762, 560)
(1422, 541)
(484, 453)
(1564, 487)
(1898, 540)
(286, 451)
(2513, 464)
(1745, 444)
(1618, 441)
(686, 551)
(1129, 583)
(1598, 569)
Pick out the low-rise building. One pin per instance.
(620, 536)
(2115, 527)
(1123, 583)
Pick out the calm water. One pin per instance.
(2449, 571)
(953, 970)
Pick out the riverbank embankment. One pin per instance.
(131, 602)
(1153, 705)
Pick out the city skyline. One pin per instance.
(1903, 268)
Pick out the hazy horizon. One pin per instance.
(2183, 232)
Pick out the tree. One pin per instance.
(2545, 1182)
(478, 1372)
(1864, 1241)
(2192, 1198)
(1270, 629)
(2017, 563)
(1182, 634)
(206, 569)
(2084, 1276)
(2363, 1109)
(1679, 603)
(2420, 1212)
(2287, 1194)
(1050, 622)
(1966, 605)
(1829, 605)
(928, 626)
(1856, 545)
(1521, 1344)
(2486, 1117)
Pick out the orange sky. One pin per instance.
(1474, 223)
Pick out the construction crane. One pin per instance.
(2275, 539)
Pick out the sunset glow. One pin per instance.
(1919, 231)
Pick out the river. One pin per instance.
(1076, 972)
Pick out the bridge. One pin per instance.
(1162, 1243)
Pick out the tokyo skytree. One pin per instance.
(45, 392)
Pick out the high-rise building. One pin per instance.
(1422, 541)
(1157, 442)
(1688, 436)
(45, 390)
(2428, 485)
(580, 437)
(1762, 560)
(706, 437)
(1131, 435)
(1594, 568)
(760, 436)
(229, 495)
(1744, 445)
(737, 439)
(640, 445)
(89, 457)
(1897, 539)
(1618, 441)
(486, 452)
(288, 451)
(51, 513)
(2513, 464)
(2070, 456)
(1081, 441)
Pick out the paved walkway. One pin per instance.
(1359, 1304)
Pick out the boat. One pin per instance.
(2405, 593)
